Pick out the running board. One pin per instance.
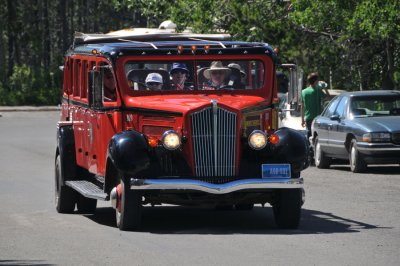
(88, 189)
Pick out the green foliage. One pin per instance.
(25, 89)
(353, 43)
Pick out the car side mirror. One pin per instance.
(95, 88)
(335, 117)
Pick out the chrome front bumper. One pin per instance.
(201, 186)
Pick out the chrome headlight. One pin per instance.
(171, 140)
(376, 137)
(257, 140)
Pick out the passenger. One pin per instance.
(239, 80)
(154, 82)
(179, 73)
(216, 75)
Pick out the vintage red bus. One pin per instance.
(129, 134)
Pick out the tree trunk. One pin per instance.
(11, 37)
(388, 71)
(46, 43)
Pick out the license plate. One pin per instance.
(275, 170)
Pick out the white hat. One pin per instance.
(154, 77)
(237, 66)
(216, 65)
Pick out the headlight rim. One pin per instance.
(166, 133)
(259, 132)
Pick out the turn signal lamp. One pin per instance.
(274, 139)
(180, 49)
(257, 140)
(94, 51)
(171, 140)
(152, 141)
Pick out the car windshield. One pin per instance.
(375, 105)
(195, 75)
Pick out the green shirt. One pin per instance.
(312, 101)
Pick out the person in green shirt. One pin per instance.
(311, 100)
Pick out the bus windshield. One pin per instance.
(195, 75)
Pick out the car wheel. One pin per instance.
(129, 208)
(321, 161)
(287, 208)
(86, 205)
(65, 197)
(357, 164)
(244, 207)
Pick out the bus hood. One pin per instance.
(185, 103)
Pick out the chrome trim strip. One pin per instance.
(215, 121)
(201, 186)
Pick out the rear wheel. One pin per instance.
(321, 161)
(287, 208)
(357, 164)
(129, 207)
(65, 197)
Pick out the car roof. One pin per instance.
(371, 93)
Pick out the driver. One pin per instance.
(216, 76)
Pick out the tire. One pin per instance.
(129, 212)
(86, 205)
(287, 209)
(65, 197)
(244, 207)
(321, 161)
(357, 164)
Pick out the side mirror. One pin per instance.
(335, 117)
(95, 89)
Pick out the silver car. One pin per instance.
(363, 127)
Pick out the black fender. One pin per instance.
(66, 150)
(129, 152)
(293, 147)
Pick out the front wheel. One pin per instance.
(129, 207)
(287, 208)
(357, 164)
(321, 161)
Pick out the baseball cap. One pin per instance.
(154, 77)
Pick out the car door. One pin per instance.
(337, 130)
(323, 123)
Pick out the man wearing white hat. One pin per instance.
(154, 81)
(216, 75)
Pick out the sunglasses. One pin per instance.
(153, 83)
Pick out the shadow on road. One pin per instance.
(24, 262)
(183, 220)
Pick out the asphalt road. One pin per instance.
(348, 219)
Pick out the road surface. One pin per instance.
(347, 219)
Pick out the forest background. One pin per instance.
(353, 44)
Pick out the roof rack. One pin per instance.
(147, 36)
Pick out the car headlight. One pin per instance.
(171, 140)
(376, 137)
(257, 140)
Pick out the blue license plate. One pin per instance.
(275, 170)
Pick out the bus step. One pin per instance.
(87, 189)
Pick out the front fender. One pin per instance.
(129, 152)
(293, 147)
